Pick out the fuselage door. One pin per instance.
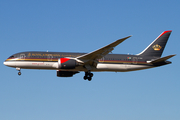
(22, 56)
(49, 57)
(101, 60)
(135, 60)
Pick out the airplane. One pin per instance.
(68, 64)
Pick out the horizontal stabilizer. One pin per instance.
(159, 60)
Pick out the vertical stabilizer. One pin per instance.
(155, 49)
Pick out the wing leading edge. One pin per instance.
(92, 57)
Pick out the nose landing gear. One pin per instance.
(19, 69)
(88, 75)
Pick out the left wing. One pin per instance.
(92, 57)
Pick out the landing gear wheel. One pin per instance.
(89, 78)
(85, 77)
(88, 75)
(19, 73)
(91, 74)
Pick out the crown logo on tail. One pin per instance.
(157, 47)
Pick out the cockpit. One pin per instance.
(11, 57)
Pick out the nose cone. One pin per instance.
(5, 63)
(9, 64)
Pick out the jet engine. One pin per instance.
(66, 63)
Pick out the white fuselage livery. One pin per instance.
(54, 66)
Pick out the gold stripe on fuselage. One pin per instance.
(56, 60)
(26, 59)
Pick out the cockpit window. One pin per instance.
(11, 56)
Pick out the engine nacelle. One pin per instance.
(66, 63)
(66, 73)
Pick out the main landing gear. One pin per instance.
(19, 69)
(88, 75)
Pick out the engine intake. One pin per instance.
(66, 63)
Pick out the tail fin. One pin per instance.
(155, 49)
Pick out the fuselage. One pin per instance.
(67, 64)
(49, 60)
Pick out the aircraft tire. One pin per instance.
(89, 78)
(19, 73)
(85, 78)
(91, 74)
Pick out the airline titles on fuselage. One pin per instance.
(46, 55)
